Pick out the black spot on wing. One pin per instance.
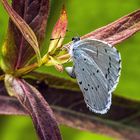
(106, 50)
(119, 69)
(86, 89)
(97, 71)
(109, 64)
(109, 58)
(117, 51)
(96, 88)
(120, 61)
(108, 70)
(106, 76)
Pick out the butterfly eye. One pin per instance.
(74, 39)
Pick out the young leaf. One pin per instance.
(119, 30)
(41, 113)
(37, 20)
(59, 32)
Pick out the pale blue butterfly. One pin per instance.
(97, 67)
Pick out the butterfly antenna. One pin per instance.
(59, 37)
(77, 35)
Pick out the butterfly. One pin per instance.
(97, 67)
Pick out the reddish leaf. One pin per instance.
(11, 106)
(41, 113)
(23, 27)
(59, 31)
(35, 14)
(71, 111)
(119, 30)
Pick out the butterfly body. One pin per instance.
(97, 68)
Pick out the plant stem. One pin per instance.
(29, 68)
(25, 70)
(2, 77)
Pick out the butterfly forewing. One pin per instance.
(106, 57)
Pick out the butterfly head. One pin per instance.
(75, 39)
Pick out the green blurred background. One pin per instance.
(83, 17)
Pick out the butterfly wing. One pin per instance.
(91, 72)
(106, 57)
